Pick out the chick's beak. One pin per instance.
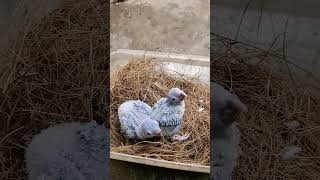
(183, 95)
(158, 133)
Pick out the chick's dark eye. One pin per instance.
(148, 134)
(173, 99)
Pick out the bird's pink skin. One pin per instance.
(180, 138)
(157, 134)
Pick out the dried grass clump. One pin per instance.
(273, 98)
(59, 74)
(140, 79)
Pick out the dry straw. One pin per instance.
(148, 81)
(268, 84)
(58, 74)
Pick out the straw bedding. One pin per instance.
(273, 99)
(147, 80)
(59, 74)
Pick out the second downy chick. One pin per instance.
(135, 121)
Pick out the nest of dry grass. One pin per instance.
(266, 84)
(148, 81)
(59, 74)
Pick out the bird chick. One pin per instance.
(135, 121)
(226, 108)
(168, 111)
(71, 151)
(225, 136)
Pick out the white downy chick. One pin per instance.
(70, 151)
(225, 139)
(135, 121)
(168, 111)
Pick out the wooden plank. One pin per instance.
(121, 170)
(122, 54)
(160, 163)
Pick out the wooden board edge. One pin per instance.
(164, 56)
(160, 163)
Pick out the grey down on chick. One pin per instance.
(225, 136)
(135, 121)
(169, 111)
(69, 151)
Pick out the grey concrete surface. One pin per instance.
(14, 13)
(308, 8)
(262, 24)
(180, 26)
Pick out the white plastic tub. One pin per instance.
(181, 63)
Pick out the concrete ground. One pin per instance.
(180, 26)
(264, 21)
